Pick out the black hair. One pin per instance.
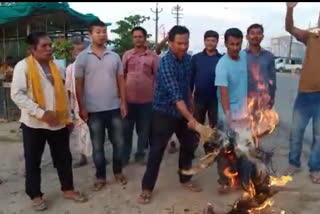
(211, 33)
(34, 37)
(138, 28)
(97, 22)
(177, 29)
(234, 32)
(255, 26)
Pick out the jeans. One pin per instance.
(34, 141)
(139, 115)
(201, 109)
(306, 107)
(97, 123)
(162, 128)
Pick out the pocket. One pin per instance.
(147, 69)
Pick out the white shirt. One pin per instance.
(21, 94)
(71, 87)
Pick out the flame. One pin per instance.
(267, 203)
(252, 191)
(231, 176)
(262, 120)
(282, 181)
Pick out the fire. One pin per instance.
(263, 120)
(267, 203)
(232, 176)
(282, 181)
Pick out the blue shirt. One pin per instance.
(234, 75)
(267, 71)
(172, 83)
(203, 75)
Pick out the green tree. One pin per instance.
(124, 42)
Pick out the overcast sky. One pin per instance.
(201, 16)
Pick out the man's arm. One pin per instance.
(193, 73)
(124, 64)
(301, 35)
(222, 83)
(80, 82)
(19, 92)
(80, 98)
(122, 89)
(161, 45)
(155, 65)
(224, 97)
(273, 83)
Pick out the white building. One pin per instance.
(280, 47)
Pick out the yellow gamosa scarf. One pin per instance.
(61, 100)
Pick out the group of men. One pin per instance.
(160, 97)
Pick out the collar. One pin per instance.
(243, 52)
(262, 50)
(146, 52)
(205, 53)
(175, 57)
(90, 51)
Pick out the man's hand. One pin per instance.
(123, 109)
(205, 132)
(167, 37)
(70, 127)
(83, 114)
(192, 106)
(291, 4)
(192, 124)
(270, 104)
(229, 121)
(51, 118)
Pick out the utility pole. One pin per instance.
(290, 46)
(157, 11)
(177, 12)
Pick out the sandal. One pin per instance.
(76, 197)
(315, 177)
(292, 170)
(192, 187)
(98, 185)
(144, 197)
(39, 205)
(121, 179)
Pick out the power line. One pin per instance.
(177, 12)
(156, 11)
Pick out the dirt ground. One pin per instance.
(169, 196)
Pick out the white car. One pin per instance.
(288, 65)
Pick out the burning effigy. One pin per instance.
(247, 165)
